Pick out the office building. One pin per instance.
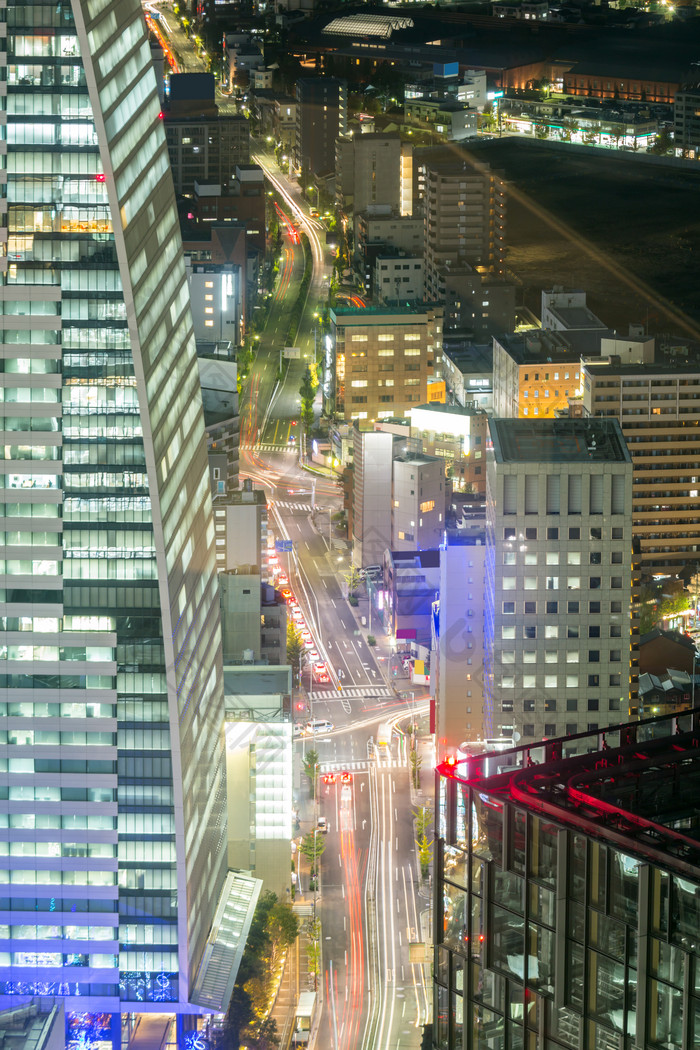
(369, 170)
(240, 520)
(409, 588)
(380, 359)
(259, 763)
(459, 436)
(536, 372)
(253, 620)
(686, 119)
(476, 303)
(321, 115)
(418, 501)
(559, 576)
(373, 454)
(656, 401)
(467, 369)
(114, 816)
(567, 892)
(565, 310)
(448, 117)
(464, 217)
(458, 644)
(203, 145)
(222, 424)
(385, 229)
(394, 277)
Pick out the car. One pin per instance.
(346, 794)
(313, 213)
(298, 729)
(297, 613)
(345, 777)
(321, 676)
(283, 580)
(286, 593)
(320, 667)
(319, 725)
(312, 656)
(306, 635)
(322, 825)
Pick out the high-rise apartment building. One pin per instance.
(657, 403)
(321, 112)
(370, 172)
(114, 819)
(567, 893)
(464, 213)
(558, 576)
(203, 144)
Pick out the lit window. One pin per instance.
(209, 298)
(208, 284)
(428, 505)
(208, 309)
(208, 324)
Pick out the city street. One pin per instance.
(369, 903)
(370, 900)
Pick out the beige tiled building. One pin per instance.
(381, 358)
(658, 407)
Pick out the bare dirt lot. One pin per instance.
(625, 231)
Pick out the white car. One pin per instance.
(319, 725)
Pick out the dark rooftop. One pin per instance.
(636, 785)
(558, 440)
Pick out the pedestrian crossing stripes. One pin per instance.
(291, 506)
(369, 692)
(360, 766)
(269, 447)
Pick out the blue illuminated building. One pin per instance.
(113, 821)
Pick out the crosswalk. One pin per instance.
(267, 446)
(362, 765)
(369, 692)
(292, 506)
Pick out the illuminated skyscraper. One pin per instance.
(113, 822)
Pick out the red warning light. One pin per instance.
(451, 761)
(100, 178)
(161, 115)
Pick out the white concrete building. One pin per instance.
(558, 576)
(418, 501)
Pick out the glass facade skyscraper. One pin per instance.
(113, 819)
(567, 901)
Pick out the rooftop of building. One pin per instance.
(543, 346)
(680, 363)
(673, 680)
(635, 784)
(558, 440)
(449, 410)
(418, 459)
(576, 317)
(413, 307)
(428, 559)
(474, 357)
(677, 637)
(249, 679)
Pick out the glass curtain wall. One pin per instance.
(111, 688)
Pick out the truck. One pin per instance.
(384, 734)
